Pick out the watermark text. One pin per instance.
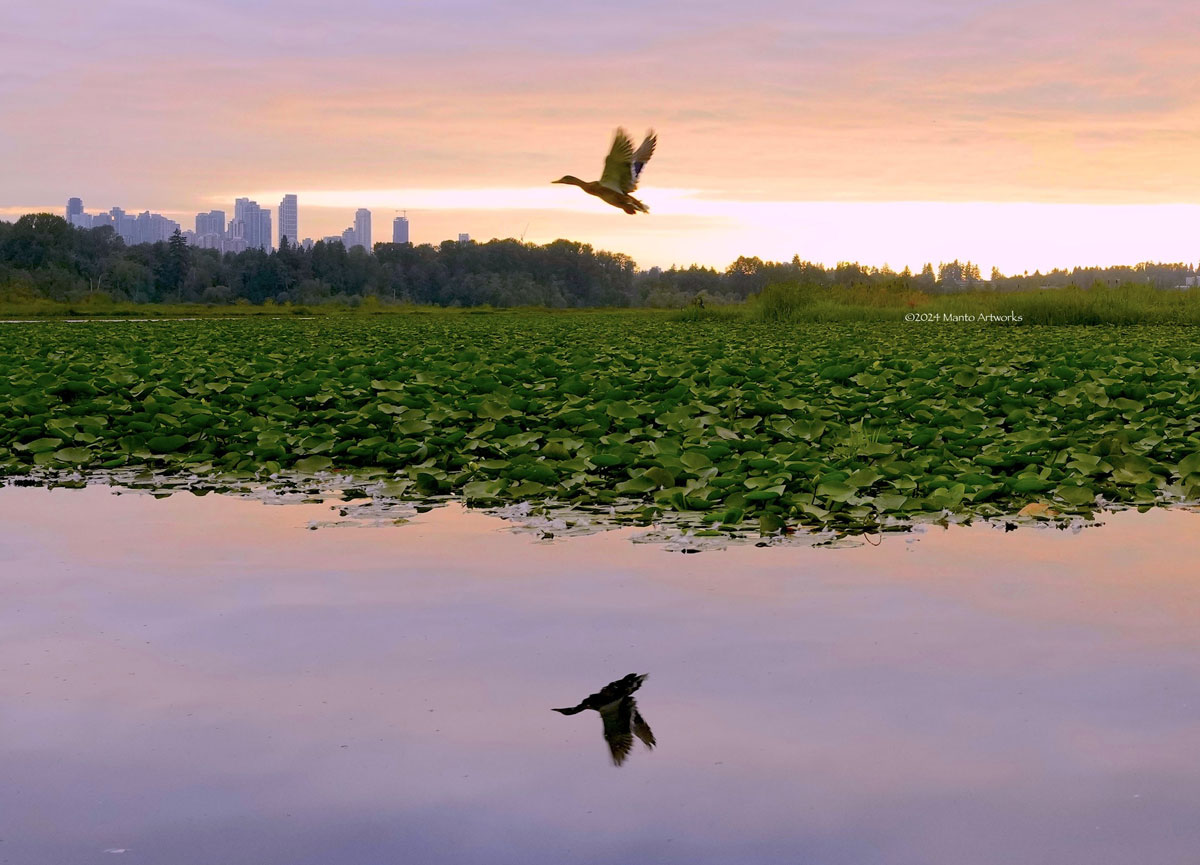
(965, 317)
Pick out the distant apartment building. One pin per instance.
(400, 229)
(289, 219)
(362, 227)
(212, 222)
(76, 215)
(358, 234)
(255, 224)
(208, 241)
(464, 238)
(146, 227)
(122, 223)
(235, 236)
(213, 233)
(152, 227)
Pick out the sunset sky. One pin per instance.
(1017, 134)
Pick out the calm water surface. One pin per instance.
(203, 680)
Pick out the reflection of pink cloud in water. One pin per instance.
(1136, 574)
(968, 697)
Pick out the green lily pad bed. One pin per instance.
(725, 427)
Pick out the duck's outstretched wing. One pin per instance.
(641, 729)
(613, 691)
(618, 728)
(618, 166)
(640, 158)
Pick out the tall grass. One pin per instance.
(1126, 304)
(708, 313)
(789, 302)
(779, 304)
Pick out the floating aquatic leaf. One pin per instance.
(313, 464)
(166, 444)
(76, 456)
(1076, 495)
(1041, 510)
(820, 425)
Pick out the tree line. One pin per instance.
(43, 256)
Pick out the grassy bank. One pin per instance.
(1129, 304)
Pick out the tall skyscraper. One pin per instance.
(464, 238)
(289, 217)
(362, 227)
(240, 206)
(264, 229)
(400, 229)
(256, 223)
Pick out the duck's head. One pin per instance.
(571, 179)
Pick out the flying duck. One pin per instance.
(622, 168)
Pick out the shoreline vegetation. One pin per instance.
(49, 269)
(728, 401)
(786, 303)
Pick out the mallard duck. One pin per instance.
(622, 168)
(618, 710)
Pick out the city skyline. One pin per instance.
(249, 228)
(151, 227)
(146, 227)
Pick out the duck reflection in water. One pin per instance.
(619, 712)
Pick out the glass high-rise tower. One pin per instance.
(288, 219)
(400, 229)
(362, 228)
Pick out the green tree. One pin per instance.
(175, 265)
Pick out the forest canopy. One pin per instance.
(43, 256)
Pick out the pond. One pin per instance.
(194, 680)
